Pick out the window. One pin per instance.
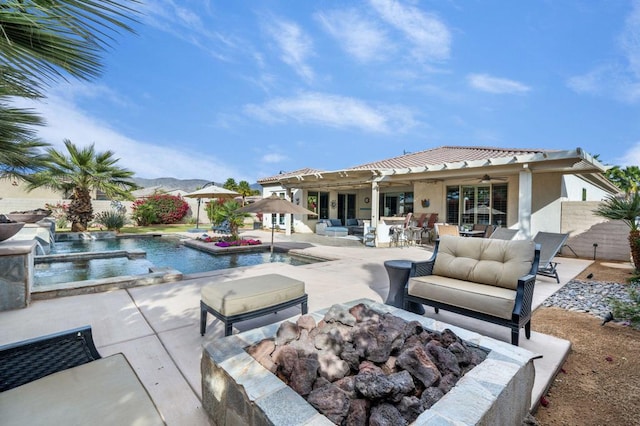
(484, 204)
(396, 204)
(318, 202)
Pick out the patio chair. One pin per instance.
(503, 234)
(369, 237)
(551, 243)
(446, 229)
(488, 229)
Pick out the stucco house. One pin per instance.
(517, 188)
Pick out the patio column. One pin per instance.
(375, 198)
(524, 204)
(288, 218)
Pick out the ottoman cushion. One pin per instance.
(250, 294)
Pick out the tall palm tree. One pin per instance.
(627, 209)
(80, 172)
(243, 188)
(43, 41)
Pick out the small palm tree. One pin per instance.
(228, 211)
(627, 209)
(80, 172)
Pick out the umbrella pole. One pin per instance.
(273, 227)
(198, 213)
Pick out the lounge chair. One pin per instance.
(503, 234)
(62, 379)
(222, 228)
(551, 243)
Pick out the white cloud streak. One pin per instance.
(186, 24)
(65, 120)
(273, 158)
(359, 37)
(618, 79)
(333, 111)
(430, 37)
(295, 46)
(490, 84)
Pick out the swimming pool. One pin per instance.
(160, 252)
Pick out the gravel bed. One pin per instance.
(588, 296)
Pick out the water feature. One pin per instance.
(160, 252)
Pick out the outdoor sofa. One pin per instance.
(335, 228)
(483, 278)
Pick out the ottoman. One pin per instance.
(247, 298)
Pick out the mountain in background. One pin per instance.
(188, 185)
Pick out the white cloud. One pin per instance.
(430, 36)
(65, 120)
(187, 25)
(630, 158)
(273, 158)
(618, 79)
(333, 111)
(358, 36)
(487, 83)
(295, 46)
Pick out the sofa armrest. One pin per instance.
(524, 297)
(425, 267)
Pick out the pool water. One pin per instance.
(161, 252)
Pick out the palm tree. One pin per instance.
(42, 42)
(245, 190)
(80, 172)
(230, 184)
(627, 209)
(627, 179)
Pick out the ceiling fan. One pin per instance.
(488, 179)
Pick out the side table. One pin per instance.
(398, 271)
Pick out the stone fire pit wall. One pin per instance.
(236, 389)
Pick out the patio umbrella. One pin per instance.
(210, 191)
(275, 205)
(483, 210)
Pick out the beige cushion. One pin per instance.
(103, 392)
(488, 299)
(250, 294)
(485, 261)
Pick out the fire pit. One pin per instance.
(239, 388)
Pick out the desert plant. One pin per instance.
(627, 209)
(113, 220)
(228, 211)
(628, 310)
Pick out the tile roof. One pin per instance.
(444, 154)
(276, 178)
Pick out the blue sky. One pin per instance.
(242, 89)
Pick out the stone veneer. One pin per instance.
(16, 276)
(236, 389)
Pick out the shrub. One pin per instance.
(113, 220)
(628, 310)
(159, 209)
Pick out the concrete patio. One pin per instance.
(157, 327)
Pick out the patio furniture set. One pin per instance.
(491, 279)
